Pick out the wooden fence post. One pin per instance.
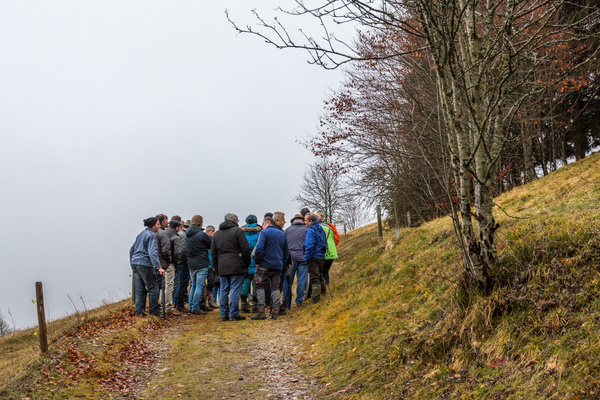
(379, 227)
(408, 221)
(39, 294)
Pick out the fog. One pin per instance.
(113, 111)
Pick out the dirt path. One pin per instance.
(211, 359)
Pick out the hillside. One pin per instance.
(398, 323)
(401, 323)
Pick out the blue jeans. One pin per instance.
(182, 276)
(198, 279)
(229, 295)
(300, 268)
(144, 280)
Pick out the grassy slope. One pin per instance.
(401, 324)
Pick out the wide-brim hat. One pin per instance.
(297, 216)
(188, 223)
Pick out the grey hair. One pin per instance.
(210, 228)
(231, 217)
(278, 216)
(312, 217)
(321, 215)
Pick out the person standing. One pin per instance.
(164, 255)
(231, 258)
(295, 235)
(178, 252)
(212, 281)
(333, 238)
(315, 246)
(198, 245)
(145, 265)
(270, 254)
(251, 230)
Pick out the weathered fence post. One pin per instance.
(397, 221)
(39, 294)
(408, 221)
(379, 227)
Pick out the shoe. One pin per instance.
(259, 315)
(182, 310)
(205, 308)
(142, 315)
(174, 312)
(274, 315)
(298, 305)
(197, 312)
(212, 304)
(282, 311)
(237, 318)
(224, 318)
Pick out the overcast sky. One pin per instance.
(113, 111)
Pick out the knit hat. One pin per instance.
(269, 214)
(297, 216)
(150, 222)
(251, 219)
(174, 224)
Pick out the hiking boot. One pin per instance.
(244, 307)
(254, 308)
(224, 318)
(282, 311)
(182, 310)
(197, 312)
(316, 293)
(324, 288)
(237, 318)
(212, 304)
(274, 315)
(259, 315)
(205, 308)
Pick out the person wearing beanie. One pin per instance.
(198, 245)
(271, 253)
(145, 265)
(251, 230)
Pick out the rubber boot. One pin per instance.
(244, 308)
(316, 293)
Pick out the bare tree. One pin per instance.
(484, 55)
(322, 190)
(4, 326)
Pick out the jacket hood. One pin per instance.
(251, 228)
(227, 225)
(192, 230)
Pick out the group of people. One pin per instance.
(244, 269)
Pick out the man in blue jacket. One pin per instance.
(295, 235)
(315, 246)
(271, 252)
(145, 264)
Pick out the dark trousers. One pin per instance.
(325, 270)
(182, 277)
(315, 266)
(267, 277)
(144, 279)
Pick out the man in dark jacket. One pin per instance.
(315, 246)
(198, 244)
(230, 258)
(178, 252)
(271, 252)
(295, 235)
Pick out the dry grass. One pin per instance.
(401, 323)
(22, 348)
